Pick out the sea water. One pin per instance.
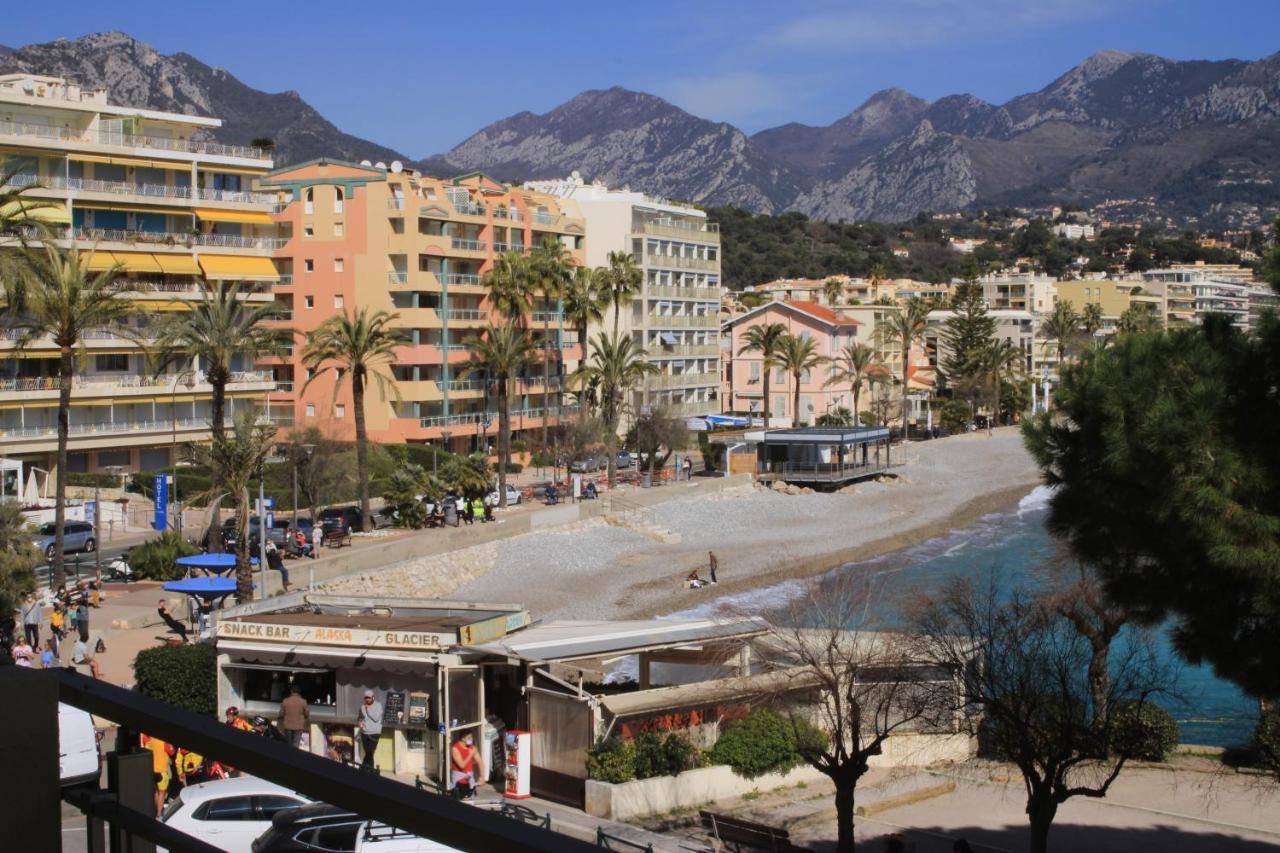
(1209, 710)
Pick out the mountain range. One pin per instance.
(1195, 138)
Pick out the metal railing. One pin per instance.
(464, 314)
(510, 213)
(395, 203)
(469, 209)
(682, 380)
(461, 278)
(120, 235)
(548, 316)
(284, 387)
(679, 291)
(656, 260)
(131, 140)
(541, 218)
(661, 350)
(683, 321)
(467, 245)
(465, 384)
(166, 191)
(822, 472)
(397, 277)
(109, 428)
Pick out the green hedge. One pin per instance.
(185, 676)
(102, 481)
(764, 742)
(612, 761)
(657, 755)
(157, 558)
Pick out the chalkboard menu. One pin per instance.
(419, 708)
(393, 708)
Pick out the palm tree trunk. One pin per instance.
(244, 571)
(616, 305)
(546, 382)
(905, 349)
(217, 378)
(766, 394)
(795, 412)
(857, 387)
(611, 444)
(504, 440)
(582, 403)
(60, 485)
(362, 448)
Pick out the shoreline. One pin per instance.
(818, 564)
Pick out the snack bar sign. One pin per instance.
(324, 636)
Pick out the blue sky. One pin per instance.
(420, 77)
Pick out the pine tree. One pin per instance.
(968, 333)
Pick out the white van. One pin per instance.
(379, 838)
(78, 758)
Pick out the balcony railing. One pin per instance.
(165, 425)
(464, 314)
(676, 291)
(656, 260)
(684, 380)
(660, 351)
(548, 316)
(469, 209)
(466, 385)
(704, 231)
(130, 140)
(284, 387)
(57, 182)
(395, 204)
(541, 218)
(507, 213)
(461, 278)
(118, 235)
(429, 421)
(467, 245)
(397, 277)
(670, 321)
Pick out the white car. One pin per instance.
(377, 838)
(78, 758)
(229, 813)
(513, 496)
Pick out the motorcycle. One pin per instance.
(119, 569)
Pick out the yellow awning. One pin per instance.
(239, 267)
(91, 402)
(249, 216)
(174, 210)
(35, 404)
(231, 170)
(53, 213)
(98, 261)
(180, 398)
(136, 162)
(137, 262)
(177, 264)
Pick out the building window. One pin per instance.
(308, 265)
(309, 301)
(107, 458)
(308, 231)
(755, 372)
(111, 363)
(340, 411)
(311, 410)
(337, 200)
(340, 231)
(309, 201)
(338, 265)
(338, 301)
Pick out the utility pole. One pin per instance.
(97, 529)
(262, 525)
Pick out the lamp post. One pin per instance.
(262, 525)
(306, 457)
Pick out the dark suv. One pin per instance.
(315, 827)
(349, 518)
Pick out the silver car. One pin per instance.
(76, 536)
(591, 462)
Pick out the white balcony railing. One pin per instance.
(117, 235)
(166, 425)
(131, 140)
(165, 191)
(397, 277)
(464, 278)
(395, 204)
(464, 314)
(467, 245)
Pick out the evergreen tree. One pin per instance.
(968, 334)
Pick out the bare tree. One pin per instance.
(1029, 694)
(871, 684)
(656, 436)
(1079, 598)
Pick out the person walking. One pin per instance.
(82, 620)
(31, 620)
(295, 716)
(688, 468)
(57, 626)
(317, 539)
(370, 719)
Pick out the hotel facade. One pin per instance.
(145, 192)
(381, 237)
(675, 316)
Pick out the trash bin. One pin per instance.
(648, 479)
(451, 513)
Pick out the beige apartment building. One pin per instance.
(676, 315)
(146, 192)
(388, 238)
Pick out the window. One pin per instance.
(755, 372)
(308, 265)
(340, 837)
(228, 808)
(309, 201)
(308, 231)
(309, 301)
(337, 200)
(339, 265)
(107, 458)
(311, 410)
(340, 411)
(339, 231)
(339, 301)
(110, 363)
(269, 804)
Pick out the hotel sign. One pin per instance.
(324, 636)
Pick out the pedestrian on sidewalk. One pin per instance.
(49, 657)
(688, 468)
(31, 620)
(370, 719)
(317, 539)
(167, 618)
(295, 716)
(23, 653)
(82, 620)
(57, 626)
(465, 769)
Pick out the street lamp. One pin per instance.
(307, 449)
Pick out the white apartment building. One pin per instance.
(1073, 231)
(1215, 291)
(675, 317)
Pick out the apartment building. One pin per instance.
(1115, 297)
(676, 315)
(1019, 292)
(1017, 327)
(147, 192)
(1212, 288)
(388, 238)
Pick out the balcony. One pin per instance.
(465, 314)
(165, 426)
(173, 239)
(284, 387)
(148, 191)
(436, 421)
(469, 209)
(677, 262)
(705, 232)
(461, 385)
(542, 218)
(684, 380)
(461, 278)
(509, 213)
(398, 277)
(683, 350)
(130, 140)
(687, 321)
(675, 291)
(548, 317)
(467, 245)
(395, 203)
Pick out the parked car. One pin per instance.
(514, 496)
(378, 838)
(589, 463)
(351, 518)
(307, 829)
(76, 536)
(625, 459)
(78, 755)
(230, 813)
(282, 523)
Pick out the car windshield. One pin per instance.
(171, 809)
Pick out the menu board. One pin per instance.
(419, 708)
(393, 708)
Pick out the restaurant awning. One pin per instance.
(239, 267)
(577, 640)
(246, 216)
(52, 213)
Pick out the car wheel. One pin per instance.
(89, 545)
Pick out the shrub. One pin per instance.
(519, 446)
(157, 558)
(542, 459)
(514, 467)
(102, 481)
(764, 742)
(612, 761)
(656, 755)
(1266, 743)
(185, 676)
(1147, 731)
(955, 415)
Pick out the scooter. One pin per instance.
(119, 569)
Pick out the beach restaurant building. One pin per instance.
(443, 668)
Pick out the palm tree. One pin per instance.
(625, 279)
(553, 267)
(513, 286)
(55, 295)
(616, 366)
(219, 328)
(363, 347)
(906, 327)
(1062, 324)
(765, 339)
(585, 298)
(1091, 319)
(832, 290)
(1001, 361)
(855, 364)
(500, 352)
(237, 458)
(798, 355)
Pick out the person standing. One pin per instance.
(464, 759)
(82, 619)
(317, 539)
(23, 653)
(295, 716)
(370, 728)
(49, 657)
(160, 752)
(688, 468)
(31, 620)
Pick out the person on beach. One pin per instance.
(693, 581)
(713, 563)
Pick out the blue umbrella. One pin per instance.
(212, 562)
(203, 587)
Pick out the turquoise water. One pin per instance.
(1209, 711)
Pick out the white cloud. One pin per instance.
(735, 97)
(916, 23)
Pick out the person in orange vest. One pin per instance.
(160, 754)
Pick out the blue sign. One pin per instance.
(90, 511)
(270, 502)
(484, 424)
(161, 520)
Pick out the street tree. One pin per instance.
(616, 366)
(500, 353)
(906, 328)
(657, 434)
(855, 365)
(798, 355)
(765, 339)
(553, 272)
